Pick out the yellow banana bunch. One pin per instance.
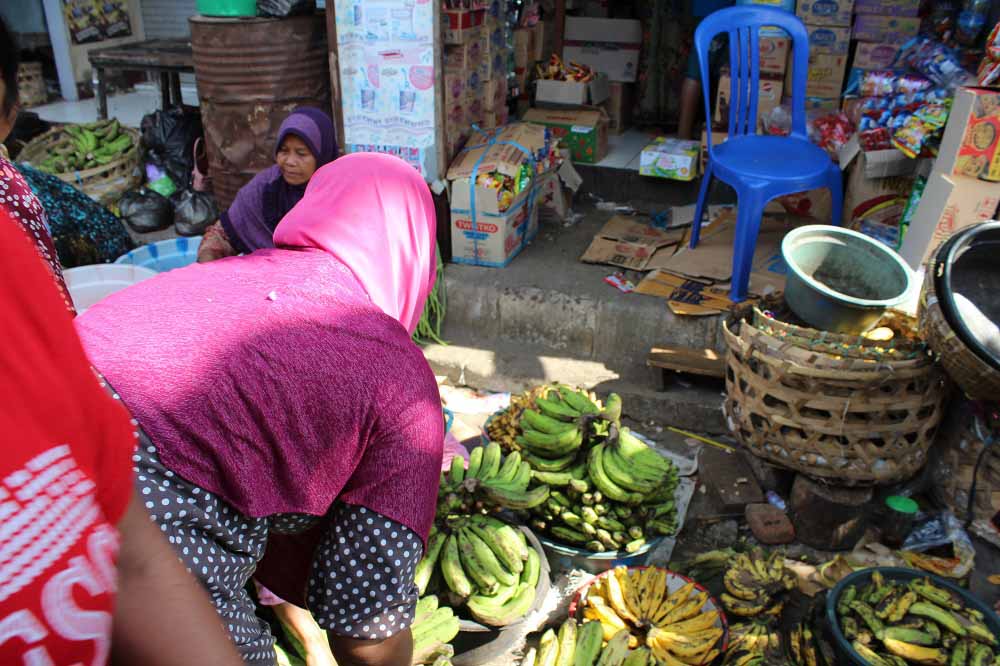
(674, 627)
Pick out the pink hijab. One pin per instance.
(384, 233)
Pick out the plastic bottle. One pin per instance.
(971, 20)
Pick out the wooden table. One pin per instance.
(167, 57)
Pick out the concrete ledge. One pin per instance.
(515, 368)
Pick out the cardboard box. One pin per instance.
(475, 112)
(675, 159)
(493, 118)
(619, 107)
(628, 243)
(454, 87)
(467, 56)
(887, 29)
(971, 143)
(826, 74)
(828, 39)
(583, 131)
(869, 186)
(874, 55)
(774, 54)
(887, 7)
(553, 199)
(494, 236)
(821, 103)
(949, 203)
(494, 93)
(494, 64)
(608, 45)
(768, 97)
(571, 93)
(825, 12)
(462, 25)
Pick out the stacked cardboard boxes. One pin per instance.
(880, 28)
(828, 23)
(529, 48)
(475, 73)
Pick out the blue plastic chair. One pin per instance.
(758, 167)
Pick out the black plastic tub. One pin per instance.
(967, 264)
(840, 643)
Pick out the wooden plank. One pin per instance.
(730, 478)
(706, 362)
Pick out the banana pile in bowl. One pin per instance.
(674, 618)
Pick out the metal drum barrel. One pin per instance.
(251, 74)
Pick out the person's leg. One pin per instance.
(217, 544)
(690, 99)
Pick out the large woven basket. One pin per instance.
(956, 452)
(105, 183)
(853, 421)
(31, 84)
(972, 374)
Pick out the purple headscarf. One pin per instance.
(261, 203)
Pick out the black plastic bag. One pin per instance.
(145, 211)
(169, 137)
(193, 212)
(282, 8)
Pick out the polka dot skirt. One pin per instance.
(361, 583)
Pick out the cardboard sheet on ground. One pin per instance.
(712, 260)
(631, 243)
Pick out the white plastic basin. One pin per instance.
(89, 284)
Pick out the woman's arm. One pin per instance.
(392, 651)
(215, 244)
(162, 617)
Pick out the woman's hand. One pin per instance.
(392, 651)
(215, 244)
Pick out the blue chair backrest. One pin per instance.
(743, 25)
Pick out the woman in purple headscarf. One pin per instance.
(305, 143)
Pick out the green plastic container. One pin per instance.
(232, 8)
(841, 280)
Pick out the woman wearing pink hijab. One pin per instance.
(279, 393)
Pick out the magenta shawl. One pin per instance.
(283, 380)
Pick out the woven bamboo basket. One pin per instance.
(956, 452)
(31, 84)
(848, 420)
(104, 183)
(972, 374)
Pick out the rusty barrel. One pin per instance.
(251, 74)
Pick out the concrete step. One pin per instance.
(514, 367)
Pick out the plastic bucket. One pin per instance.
(90, 284)
(164, 255)
(841, 280)
(840, 643)
(234, 8)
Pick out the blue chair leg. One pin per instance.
(700, 207)
(749, 209)
(836, 185)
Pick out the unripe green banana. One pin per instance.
(577, 401)
(475, 462)
(425, 567)
(543, 464)
(557, 410)
(451, 569)
(533, 420)
(567, 642)
(589, 638)
(456, 474)
(491, 462)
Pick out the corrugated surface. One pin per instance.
(167, 18)
(251, 74)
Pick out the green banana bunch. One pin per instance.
(433, 628)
